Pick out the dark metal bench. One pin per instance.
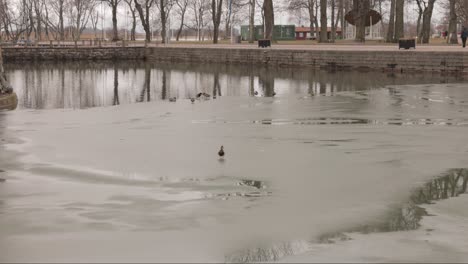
(406, 43)
(263, 43)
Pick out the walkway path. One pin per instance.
(327, 47)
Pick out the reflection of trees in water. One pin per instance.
(146, 86)
(408, 215)
(266, 81)
(404, 217)
(216, 85)
(164, 85)
(251, 84)
(45, 85)
(116, 101)
(452, 184)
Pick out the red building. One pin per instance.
(303, 33)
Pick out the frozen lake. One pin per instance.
(102, 167)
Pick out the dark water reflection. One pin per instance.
(95, 84)
(402, 217)
(407, 216)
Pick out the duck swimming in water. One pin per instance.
(192, 100)
(172, 99)
(221, 152)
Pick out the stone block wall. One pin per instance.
(70, 53)
(398, 60)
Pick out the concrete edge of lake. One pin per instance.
(334, 57)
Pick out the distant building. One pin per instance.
(280, 32)
(303, 33)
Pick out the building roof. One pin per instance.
(307, 29)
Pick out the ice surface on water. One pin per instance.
(143, 182)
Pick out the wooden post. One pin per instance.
(51, 44)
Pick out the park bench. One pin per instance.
(263, 43)
(406, 43)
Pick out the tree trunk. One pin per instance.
(418, 23)
(144, 17)
(361, 9)
(323, 22)
(162, 9)
(115, 31)
(269, 19)
(311, 17)
(181, 27)
(61, 22)
(399, 16)
(453, 24)
(183, 9)
(391, 23)
(317, 28)
(116, 100)
(465, 4)
(333, 25)
(216, 8)
(252, 22)
(342, 20)
(38, 21)
(134, 24)
(227, 22)
(426, 25)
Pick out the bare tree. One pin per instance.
(399, 19)
(309, 6)
(56, 21)
(361, 9)
(333, 25)
(427, 18)
(269, 19)
(145, 15)
(453, 23)
(164, 7)
(182, 4)
(252, 21)
(38, 6)
(323, 22)
(216, 11)
(79, 15)
(114, 4)
(391, 22)
(199, 10)
(133, 12)
(420, 14)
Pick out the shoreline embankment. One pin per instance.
(450, 59)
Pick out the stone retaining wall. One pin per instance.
(397, 60)
(71, 53)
